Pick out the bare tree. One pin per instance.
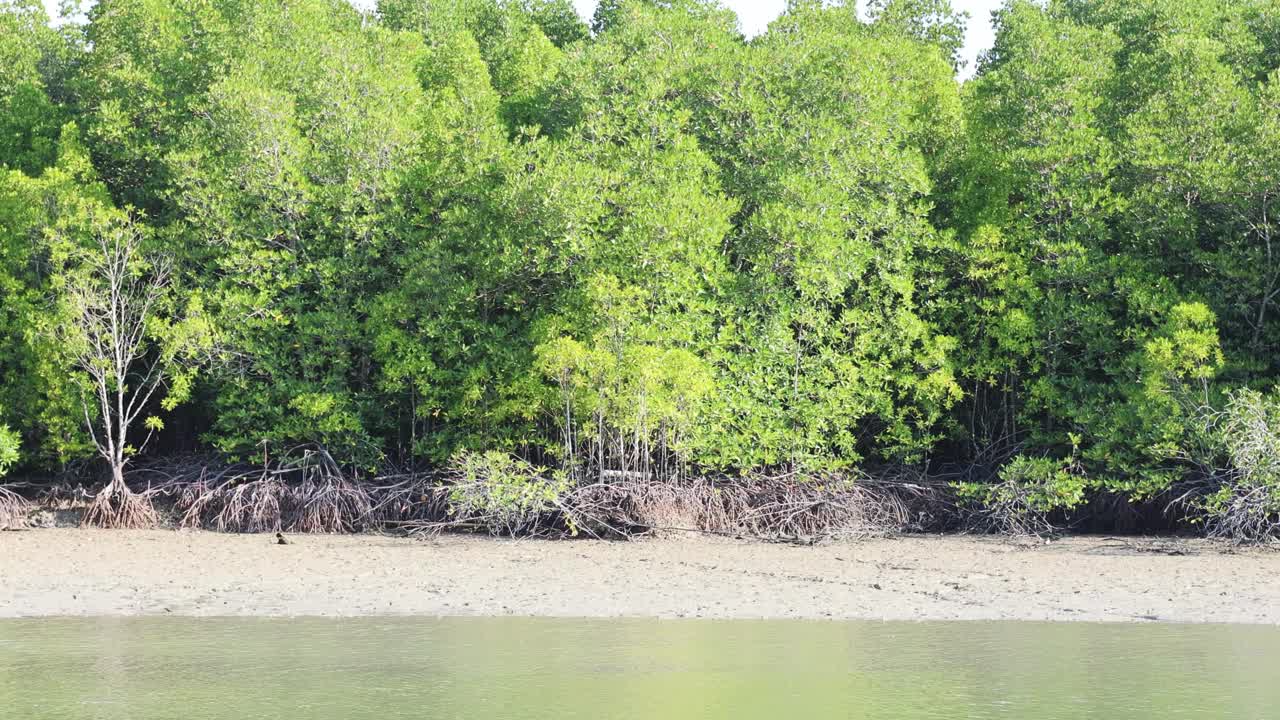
(109, 301)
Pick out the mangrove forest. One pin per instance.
(484, 264)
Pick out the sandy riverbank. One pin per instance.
(84, 572)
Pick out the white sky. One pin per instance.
(756, 15)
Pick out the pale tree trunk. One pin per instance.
(1263, 229)
(109, 298)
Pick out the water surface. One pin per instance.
(139, 669)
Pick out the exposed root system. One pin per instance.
(778, 508)
(14, 510)
(306, 492)
(116, 506)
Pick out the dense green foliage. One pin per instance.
(1115, 208)
(648, 245)
(8, 449)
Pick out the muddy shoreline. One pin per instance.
(76, 572)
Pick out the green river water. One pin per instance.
(186, 669)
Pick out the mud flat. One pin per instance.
(73, 572)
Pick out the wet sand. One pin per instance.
(74, 572)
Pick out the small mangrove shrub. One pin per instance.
(504, 495)
(8, 449)
(13, 507)
(1247, 504)
(1028, 492)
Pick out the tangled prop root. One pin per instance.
(790, 509)
(304, 494)
(118, 507)
(249, 506)
(14, 510)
